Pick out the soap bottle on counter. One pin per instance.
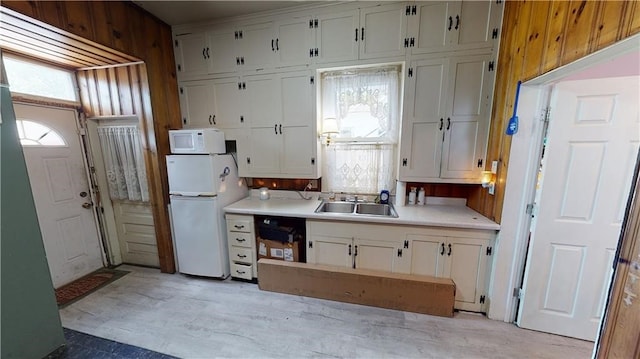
(412, 196)
(421, 197)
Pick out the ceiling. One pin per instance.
(185, 12)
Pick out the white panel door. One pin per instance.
(465, 261)
(336, 251)
(382, 31)
(592, 145)
(60, 189)
(293, 42)
(427, 254)
(230, 103)
(197, 102)
(136, 233)
(191, 54)
(376, 254)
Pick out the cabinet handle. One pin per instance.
(214, 119)
(204, 56)
(356, 35)
(242, 60)
(241, 119)
(448, 123)
(275, 128)
(278, 41)
(450, 23)
(237, 61)
(280, 128)
(362, 34)
(272, 48)
(241, 255)
(355, 252)
(442, 249)
(349, 249)
(457, 22)
(441, 122)
(240, 271)
(240, 240)
(210, 120)
(208, 53)
(239, 226)
(449, 253)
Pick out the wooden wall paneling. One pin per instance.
(171, 81)
(555, 35)
(536, 34)
(78, 18)
(120, 26)
(51, 12)
(114, 90)
(104, 97)
(579, 30)
(124, 90)
(607, 27)
(633, 16)
(28, 8)
(102, 31)
(157, 149)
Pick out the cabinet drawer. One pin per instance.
(243, 271)
(241, 254)
(240, 225)
(239, 239)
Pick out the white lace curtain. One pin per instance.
(361, 158)
(124, 162)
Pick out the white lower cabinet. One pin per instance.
(356, 245)
(460, 254)
(241, 239)
(446, 253)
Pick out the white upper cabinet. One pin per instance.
(382, 31)
(283, 139)
(293, 42)
(230, 102)
(336, 36)
(254, 46)
(197, 103)
(190, 52)
(453, 25)
(223, 52)
(446, 119)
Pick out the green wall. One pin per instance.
(31, 325)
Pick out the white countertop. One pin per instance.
(438, 215)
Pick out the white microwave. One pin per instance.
(197, 141)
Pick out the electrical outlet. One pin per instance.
(494, 167)
(313, 184)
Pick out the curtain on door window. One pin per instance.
(361, 158)
(124, 163)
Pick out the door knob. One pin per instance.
(87, 205)
(83, 194)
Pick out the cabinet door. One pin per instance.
(223, 50)
(423, 122)
(465, 263)
(191, 54)
(477, 20)
(293, 42)
(265, 149)
(467, 121)
(263, 100)
(254, 48)
(197, 103)
(382, 255)
(427, 254)
(432, 28)
(336, 37)
(231, 103)
(336, 251)
(382, 31)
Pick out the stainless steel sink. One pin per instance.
(376, 209)
(359, 209)
(335, 207)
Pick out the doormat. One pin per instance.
(86, 285)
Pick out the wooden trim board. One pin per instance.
(411, 293)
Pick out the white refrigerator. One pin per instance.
(200, 186)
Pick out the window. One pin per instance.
(36, 134)
(31, 78)
(361, 157)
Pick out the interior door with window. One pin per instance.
(588, 165)
(61, 191)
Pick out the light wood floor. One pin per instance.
(201, 318)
